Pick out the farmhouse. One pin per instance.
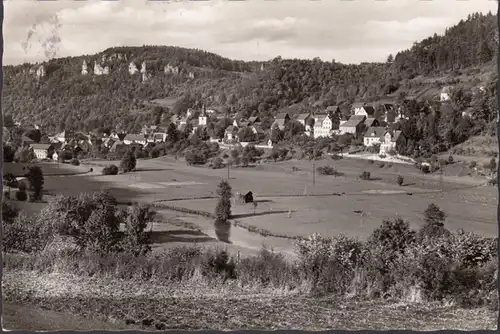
(353, 125)
(157, 137)
(322, 126)
(304, 120)
(374, 135)
(392, 140)
(135, 138)
(281, 120)
(42, 151)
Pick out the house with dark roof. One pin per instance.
(353, 126)
(374, 135)
(304, 120)
(281, 120)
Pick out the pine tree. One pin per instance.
(223, 208)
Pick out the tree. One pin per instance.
(390, 58)
(137, 241)
(223, 208)
(434, 223)
(8, 153)
(128, 162)
(172, 133)
(36, 180)
(223, 212)
(493, 165)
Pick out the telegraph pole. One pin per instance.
(314, 167)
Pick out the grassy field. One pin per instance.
(48, 168)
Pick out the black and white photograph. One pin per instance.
(250, 165)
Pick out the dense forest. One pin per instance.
(66, 99)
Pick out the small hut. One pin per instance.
(248, 198)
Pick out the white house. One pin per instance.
(135, 138)
(157, 137)
(322, 126)
(445, 94)
(374, 135)
(42, 151)
(202, 119)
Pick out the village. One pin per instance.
(373, 124)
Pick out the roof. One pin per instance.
(27, 139)
(195, 122)
(230, 128)
(351, 123)
(303, 117)
(369, 110)
(40, 146)
(253, 119)
(395, 135)
(282, 115)
(332, 108)
(133, 137)
(375, 132)
(369, 121)
(360, 118)
(159, 135)
(358, 104)
(182, 127)
(446, 89)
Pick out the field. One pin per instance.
(288, 205)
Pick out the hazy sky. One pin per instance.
(349, 31)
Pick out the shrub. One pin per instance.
(374, 149)
(450, 159)
(21, 195)
(400, 180)
(10, 180)
(381, 165)
(219, 263)
(365, 176)
(25, 234)
(218, 163)
(328, 170)
(473, 164)
(434, 224)
(6, 194)
(110, 170)
(75, 162)
(425, 169)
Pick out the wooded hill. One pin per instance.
(66, 98)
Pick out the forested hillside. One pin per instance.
(66, 98)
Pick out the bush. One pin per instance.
(400, 180)
(10, 180)
(218, 163)
(473, 164)
(6, 194)
(136, 240)
(450, 159)
(328, 170)
(365, 176)
(381, 165)
(75, 162)
(425, 169)
(21, 195)
(25, 234)
(110, 170)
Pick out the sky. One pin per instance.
(349, 31)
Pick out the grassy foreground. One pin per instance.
(194, 306)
